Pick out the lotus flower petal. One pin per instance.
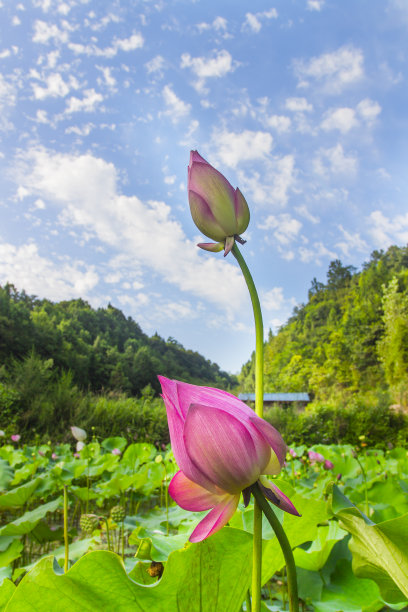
(275, 495)
(218, 210)
(208, 433)
(191, 496)
(216, 519)
(78, 433)
(214, 247)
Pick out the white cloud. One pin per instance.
(272, 186)
(386, 231)
(336, 161)
(220, 64)
(55, 86)
(342, 119)
(253, 21)
(298, 105)
(57, 280)
(318, 253)
(7, 102)
(280, 123)
(350, 242)
(85, 190)
(155, 65)
(219, 24)
(87, 104)
(285, 228)
(368, 110)
(135, 41)
(334, 70)
(232, 148)
(176, 108)
(315, 5)
(306, 214)
(44, 31)
(108, 79)
(273, 299)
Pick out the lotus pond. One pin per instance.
(128, 542)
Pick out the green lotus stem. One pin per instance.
(107, 532)
(284, 544)
(259, 367)
(123, 540)
(66, 560)
(166, 498)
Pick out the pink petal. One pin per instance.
(214, 188)
(216, 519)
(273, 437)
(214, 247)
(223, 448)
(176, 428)
(191, 496)
(276, 496)
(183, 394)
(229, 243)
(203, 217)
(196, 157)
(241, 212)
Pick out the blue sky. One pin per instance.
(300, 103)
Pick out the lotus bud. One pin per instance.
(78, 433)
(218, 210)
(80, 445)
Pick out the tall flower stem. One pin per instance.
(66, 543)
(284, 544)
(259, 366)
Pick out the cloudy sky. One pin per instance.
(300, 103)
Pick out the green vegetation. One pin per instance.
(349, 341)
(118, 508)
(66, 362)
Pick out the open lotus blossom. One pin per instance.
(15, 437)
(116, 451)
(328, 465)
(218, 210)
(78, 433)
(222, 448)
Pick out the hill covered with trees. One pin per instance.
(350, 339)
(103, 349)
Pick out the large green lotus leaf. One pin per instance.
(212, 576)
(310, 584)
(314, 558)
(380, 552)
(27, 522)
(110, 444)
(6, 591)
(141, 451)
(157, 547)
(19, 495)
(12, 552)
(348, 593)
(298, 529)
(6, 474)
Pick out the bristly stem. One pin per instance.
(259, 366)
(284, 544)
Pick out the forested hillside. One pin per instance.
(351, 338)
(101, 348)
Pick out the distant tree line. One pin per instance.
(102, 349)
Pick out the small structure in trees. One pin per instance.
(283, 399)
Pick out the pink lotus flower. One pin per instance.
(15, 437)
(218, 210)
(292, 452)
(221, 447)
(116, 451)
(54, 456)
(315, 457)
(328, 465)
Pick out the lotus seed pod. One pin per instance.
(118, 514)
(89, 522)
